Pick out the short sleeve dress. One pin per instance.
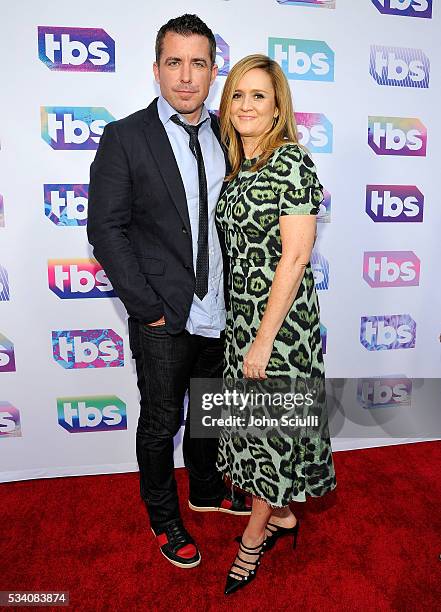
(248, 214)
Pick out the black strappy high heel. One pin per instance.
(280, 532)
(237, 581)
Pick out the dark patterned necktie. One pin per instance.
(201, 288)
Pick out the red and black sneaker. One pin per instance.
(177, 545)
(240, 504)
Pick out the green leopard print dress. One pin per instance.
(278, 470)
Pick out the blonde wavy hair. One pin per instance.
(284, 128)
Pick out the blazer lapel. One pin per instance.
(162, 152)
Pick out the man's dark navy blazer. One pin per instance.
(138, 220)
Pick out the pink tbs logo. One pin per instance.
(391, 268)
(78, 278)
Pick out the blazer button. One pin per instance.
(187, 266)
(184, 231)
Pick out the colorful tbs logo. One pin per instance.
(324, 215)
(96, 413)
(304, 60)
(66, 205)
(73, 128)
(406, 8)
(400, 67)
(320, 270)
(324, 337)
(10, 426)
(4, 285)
(388, 332)
(384, 392)
(222, 55)
(391, 269)
(78, 278)
(7, 355)
(76, 49)
(2, 212)
(315, 132)
(398, 203)
(397, 136)
(88, 348)
(317, 3)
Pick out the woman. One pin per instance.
(267, 214)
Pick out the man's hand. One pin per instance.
(160, 321)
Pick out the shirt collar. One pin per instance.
(165, 111)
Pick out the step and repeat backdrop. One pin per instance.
(365, 79)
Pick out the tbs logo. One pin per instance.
(387, 332)
(88, 348)
(320, 269)
(222, 55)
(324, 215)
(4, 285)
(2, 212)
(96, 413)
(391, 269)
(407, 8)
(10, 426)
(73, 128)
(315, 132)
(324, 337)
(7, 355)
(80, 278)
(399, 203)
(399, 66)
(317, 3)
(66, 204)
(397, 136)
(76, 49)
(384, 392)
(303, 60)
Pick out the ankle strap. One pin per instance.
(248, 548)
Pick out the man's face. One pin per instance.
(185, 73)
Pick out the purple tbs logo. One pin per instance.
(384, 392)
(397, 203)
(66, 205)
(387, 332)
(7, 355)
(222, 55)
(10, 426)
(312, 3)
(324, 215)
(324, 337)
(88, 348)
(73, 128)
(397, 136)
(405, 8)
(76, 49)
(320, 269)
(4, 285)
(391, 269)
(399, 67)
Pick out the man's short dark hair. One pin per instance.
(185, 25)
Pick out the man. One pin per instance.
(154, 185)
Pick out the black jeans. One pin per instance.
(164, 365)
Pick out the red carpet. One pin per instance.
(372, 544)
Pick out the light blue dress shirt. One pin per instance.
(207, 316)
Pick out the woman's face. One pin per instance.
(253, 106)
